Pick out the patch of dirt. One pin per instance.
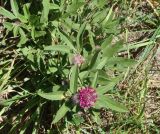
(152, 107)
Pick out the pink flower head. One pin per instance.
(87, 97)
(78, 59)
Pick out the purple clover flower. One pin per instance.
(78, 59)
(86, 97)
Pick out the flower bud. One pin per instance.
(78, 59)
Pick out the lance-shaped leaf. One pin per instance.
(72, 9)
(79, 36)
(45, 12)
(61, 113)
(94, 59)
(102, 63)
(101, 3)
(106, 102)
(109, 86)
(66, 39)
(57, 95)
(110, 50)
(8, 25)
(26, 10)
(106, 42)
(14, 7)
(61, 48)
(94, 82)
(6, 13)
(74, 79)
(121, 61)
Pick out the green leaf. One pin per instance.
(2, 111)
(83, 75)
(79, 40)
(6, 13)
(55, 88)
(70, 24)
(110, 50)
(77, 119)
(8, 25)
(109, 17)
(91, 36)
(94, 59)
(94, 82)
(39, 33)
(121, 61)
(30, 56)
(34, 21)
(98, 17)
(57, 95)
(22, 18)
(96, 117)
(14, 7)
(109, 86)
(61, 113)
(74, 79)
(74, 7)
(51, 70)
(61, 48)
(66, 39)
(15, 30)
(23, 38)
(101, 3)
(45, 12)
(26, 10)
(22, 33)
(106, 102)
(54, 6)
(107, 42)
(102, 63)
(111, 27)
